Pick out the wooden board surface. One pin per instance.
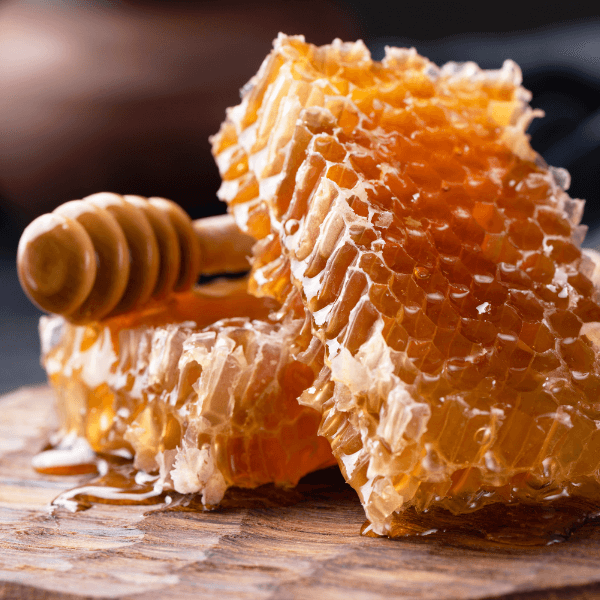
(268, 543)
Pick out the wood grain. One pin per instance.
(266, 543)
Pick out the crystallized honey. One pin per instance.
(438, 263)
(202, 402)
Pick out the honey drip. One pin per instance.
(496, 524)
(437, 260)
(118, 483)
(114, 481)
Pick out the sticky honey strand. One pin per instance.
(109, 254)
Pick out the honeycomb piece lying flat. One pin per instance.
(439, 260)
(207, 407)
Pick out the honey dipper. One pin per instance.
(108, 254)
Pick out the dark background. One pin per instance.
(122, 96)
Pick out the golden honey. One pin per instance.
(202, 405)
(437, 260)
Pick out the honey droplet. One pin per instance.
(422, 273)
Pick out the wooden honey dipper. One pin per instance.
(108, 254)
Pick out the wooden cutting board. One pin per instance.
(267, 543)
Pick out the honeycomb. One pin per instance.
(438, 262)
(206, 405)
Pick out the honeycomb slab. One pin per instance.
(204, 405)
(438, 261)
